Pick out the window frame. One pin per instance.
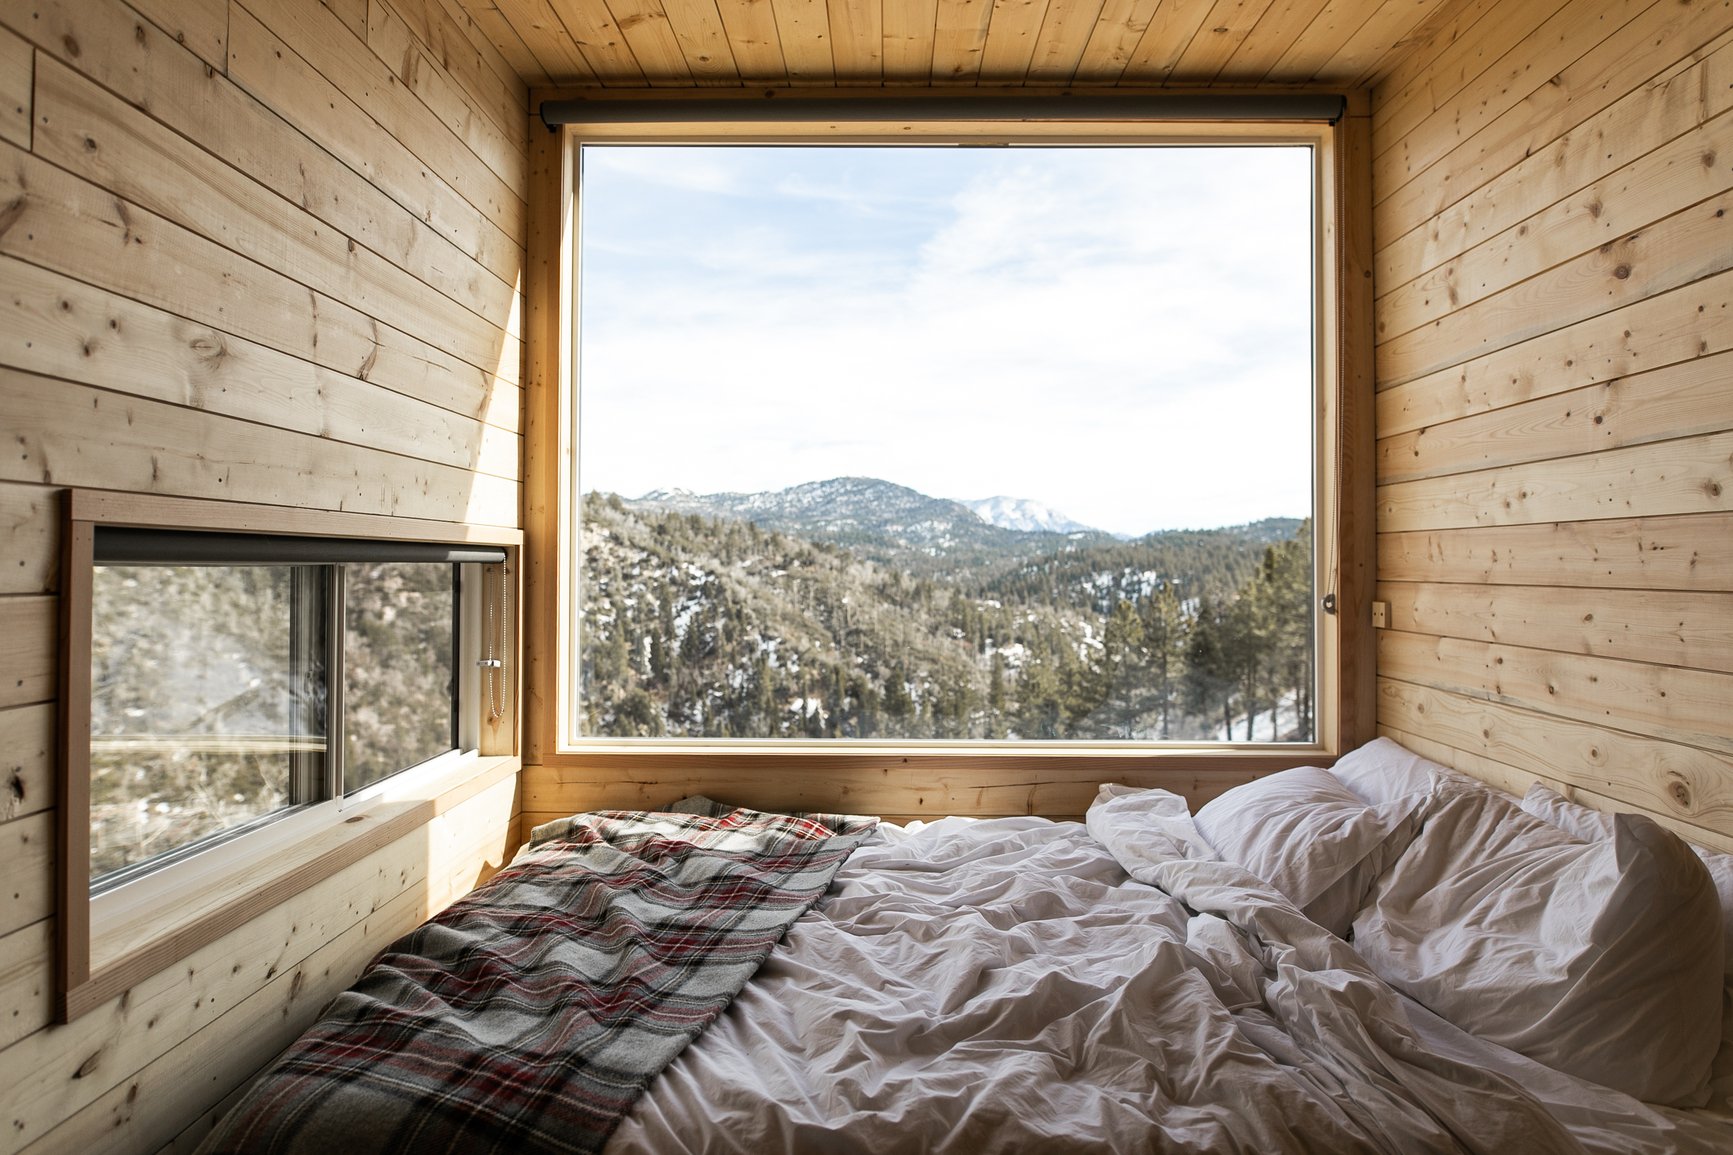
(108, 941)
(831, 772)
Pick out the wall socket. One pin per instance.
(1380, 615)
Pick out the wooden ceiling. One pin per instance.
(730, 43)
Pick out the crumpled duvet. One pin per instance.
(1021, 985)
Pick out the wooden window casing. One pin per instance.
(216, 892)
(957, 777)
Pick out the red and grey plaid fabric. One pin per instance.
(529, 1016)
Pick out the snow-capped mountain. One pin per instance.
(1023, 515)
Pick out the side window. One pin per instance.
(241, 711)
(224, 695)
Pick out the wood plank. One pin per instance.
(548, 300)
(27, 777)
(27, 649)
(1282, 23)
(1377, 42)
(193, 1135)
(17, 64)
(703, 40)
(1117, 33)
(457, 48)
(1670, 32)
(480, 165)
(499, 32)
(1323, 38)
(757, 50)
(1170, 31)
(889, 784)
(101, 139)
(1219, 38)
(1475, 37)
(67, 434)
(1675, 628)
(1665, 702)
(959, 39)
(1563, 39)
(1687, 246)
(27, 888)
(1065, 33)
(1681, 400)
(1685, 783)
(1653, 333)
(1661, 553)
(1664, 108)
(202, 26)
(87, 335)
(68, 224)
(1665, 181)
(1348, 458)
(575, 40)
(205, 106)
(459, 21)
(264, 982)
(155, 937)
(1448, 52)
(266, 69)
(72, 728)
(644, 23)
(1011, 40)
(1689, 475)
(353, 14)
(857, 40)
(1516, 781)
(131, 508)
(26, 981)
(485, 130)
(803, 31)
(29, 539)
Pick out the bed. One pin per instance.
(1386, 957)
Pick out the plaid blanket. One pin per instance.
(530, 1015)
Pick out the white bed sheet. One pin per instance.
(1002, 986)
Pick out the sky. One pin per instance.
(1121, 334)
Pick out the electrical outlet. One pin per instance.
(1380, 615)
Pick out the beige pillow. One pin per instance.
(1601, 959)
(1307, 835)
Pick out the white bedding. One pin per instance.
(1006, 986)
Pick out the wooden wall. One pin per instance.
(267, 251)
(1554, 268)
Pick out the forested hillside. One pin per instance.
(859, 609)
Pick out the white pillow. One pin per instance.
(1582, 823)
(1590, 825)
(1601, 959)
(1382, 771)
(1307, 835)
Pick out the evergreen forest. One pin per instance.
(859, 609)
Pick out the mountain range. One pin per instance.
(857, 607)
(896, 526)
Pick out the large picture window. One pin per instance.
(904, 444)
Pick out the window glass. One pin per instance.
(398, 668)
(211, 695)
(946, 443)
(207, 703)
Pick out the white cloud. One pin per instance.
(1119, 334)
